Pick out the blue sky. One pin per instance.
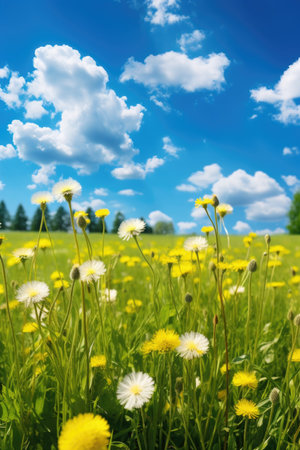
(150, 104)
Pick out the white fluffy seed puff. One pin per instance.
(91, 270)
(130, 228)
(135, 389)
(32, 292)
(195, 244)
(66, 189)
(192, 345)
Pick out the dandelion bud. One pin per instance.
(215, 200)
(215, 320)
(14, 284)
(290, 315)
(75, 273)
(212, 266)
(179, 385)
(274, 395)
(170, 264)
(188, 298)
(297, 320)
(252, 266)
(221, 258)
(81, 222)
(267, 239)
(265, 253)
(152, 254)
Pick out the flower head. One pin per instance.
(102, 212)
(246, 408)
(30, 327)
(224, 209)
(66, 190)
(41, 198)
(245, 379)
(23, 253)
(203, 202)
(98, 361)
(195, 244)
(192, 345)
(130, 228)
(109, 295)
(135, 390)
(32, 292)
(165, 340)
(85, 431)
(91, 270)
(296, 355)
(207, 229)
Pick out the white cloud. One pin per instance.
(268, 231)
(4, 72)
(284, 94)
(169, 147)
(137, 171)
(7, 151)
(1, 185)
(242, 227)
(14, 89)
(186, 226)
(158, 216)
(102, 192)
(34, 109)
(191, 41)
(163, 12)
(129, 192)
(177, 70)
(290, 151)
(41, 175)
(94, 203)
(31, 186)
(204, 178)
(186, 188)
(160, 103)
(270, 209)
(240, 188)
(93, 124)
(198, 213)
(291, 180)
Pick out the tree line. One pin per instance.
(60, 221)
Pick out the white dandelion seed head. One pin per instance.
(32, 292)
(236, 290)
(23, 253)
(109, 295)
(130, 228)
(66, 188)
(195, 244)
(91, 270)
(135, 389)
(192, 345)
(41, 197)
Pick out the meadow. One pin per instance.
(164, 345)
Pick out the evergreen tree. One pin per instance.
(294, 215)
(164, 228)
(100, 226)
(148, 228)
(61, 220)
(119, 218)
(93, 226)
(4, 216)
(37, 217)
(20, 219)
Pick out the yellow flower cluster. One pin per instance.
(163, 341)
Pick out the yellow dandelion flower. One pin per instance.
(98, 361)
(133, 306)
(295, 280)
(204, 202)
(102, 212)
(127, 279)
(30, 327)
(274, 263)
(247, 241)
(246, 408)
(56, 275)
(44, 243)
(275, 284)
(61, 284)
(223, 369)
(165, 340)
(80, 214)
(147, 347)
(279, 249)
(239, 265)
(222, 394)
(224, 209)
(183, 269)
(207, 229)
(252, 234)
(296, 355)
(245, 379)
(85, 431)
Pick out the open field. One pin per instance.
(50, 373)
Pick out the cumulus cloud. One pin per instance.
(169, 147)
(204, 178)
(11, 94)
(94, 203)
(290, 151)
(268, 231)
(7, 151)
(242, 227)
(292, 181)
(284, 95)
(270, 209)
(34, 109)
(102, 192)
(177, 70)
(4, 72)
(41, 175)
(198, 213)
(241, 188)
(31, 186)
(184, 227)
(158, 216)
(163, 12)
(137, 171)
(92, 124)
(186, 188)
(191, 41)
(129, 192)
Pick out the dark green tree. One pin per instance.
(148, 228)
(119, 218)
(37, 217)
(4, 216)
(163, 228)
(93, 226)
(19, 222)
(294, 215)
(61, 220)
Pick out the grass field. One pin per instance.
(66, 355)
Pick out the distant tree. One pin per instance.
(119, 218)
(61, 220)
(148, 228)
(100, 226)
(37, 217)
(20, 219)
(4, 216)
(92, 227)
(163, 228)
(294, 215)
